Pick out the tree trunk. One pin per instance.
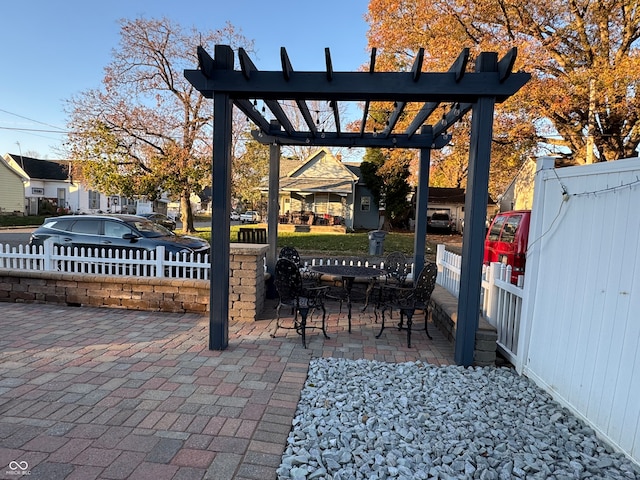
(187, 214)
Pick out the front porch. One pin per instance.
(290, 227)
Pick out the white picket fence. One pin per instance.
(500, 300)
(140, 263)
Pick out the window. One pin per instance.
(365, 204)
(94, 200)
(510, 229)
(90, 227)
(494, 234)
(115, 229)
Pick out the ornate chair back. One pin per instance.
(291, 253)
(396, 266)
(288, 281)
(426, 283)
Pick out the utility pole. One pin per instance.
(590, 157)
(21, 160)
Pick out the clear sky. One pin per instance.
(53, 49)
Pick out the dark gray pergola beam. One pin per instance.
(359, 86)
(505, 64)
(424, 113)
(280, 115)
(458, 68)
(416, 70)
(250, 111)
(287, 69)
(365, 110)
(350, 139)
(336, 115)
(451, 117)
(393, 119)
(332, 103)
(327, 58)
(304, 110)
(247, 67)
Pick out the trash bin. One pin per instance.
(376, 242)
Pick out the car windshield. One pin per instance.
(150, 229)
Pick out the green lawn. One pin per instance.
(347, 244)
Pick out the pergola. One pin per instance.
(457, 90)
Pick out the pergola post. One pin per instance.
(273, 205)
(422, 200)
(475, 214)
(221, 201)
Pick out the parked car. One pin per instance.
(114, 232)
(441, 221)
(250, 216)
(161, 219)
(235, 216)
(507, 241)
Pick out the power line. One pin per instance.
(31, 120)
(34, 130)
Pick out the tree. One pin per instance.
(385, 173)
(148, 130)
(583, 56)
(250, 169)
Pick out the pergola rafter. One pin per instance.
(457, 90)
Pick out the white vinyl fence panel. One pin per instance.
(580, 337)
(140, 263)
(449, 268)
(501, 301)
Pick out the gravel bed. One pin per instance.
(360, 419)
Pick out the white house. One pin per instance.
(49, 187)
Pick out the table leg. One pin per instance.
(348, 285)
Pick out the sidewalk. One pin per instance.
(114, 394)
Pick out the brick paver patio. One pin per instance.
(90, 393)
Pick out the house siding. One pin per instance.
(363, 219)
(11, 190)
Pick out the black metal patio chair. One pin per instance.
(408, 300)
(396, 268)
(309, 278)
(302, 300)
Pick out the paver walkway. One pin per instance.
(91, 393)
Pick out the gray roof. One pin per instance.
(42, 169)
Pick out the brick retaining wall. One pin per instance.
(246, 288)
(445, 315)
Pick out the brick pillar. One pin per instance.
(246, 281)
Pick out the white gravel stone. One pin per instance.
(360, 419)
